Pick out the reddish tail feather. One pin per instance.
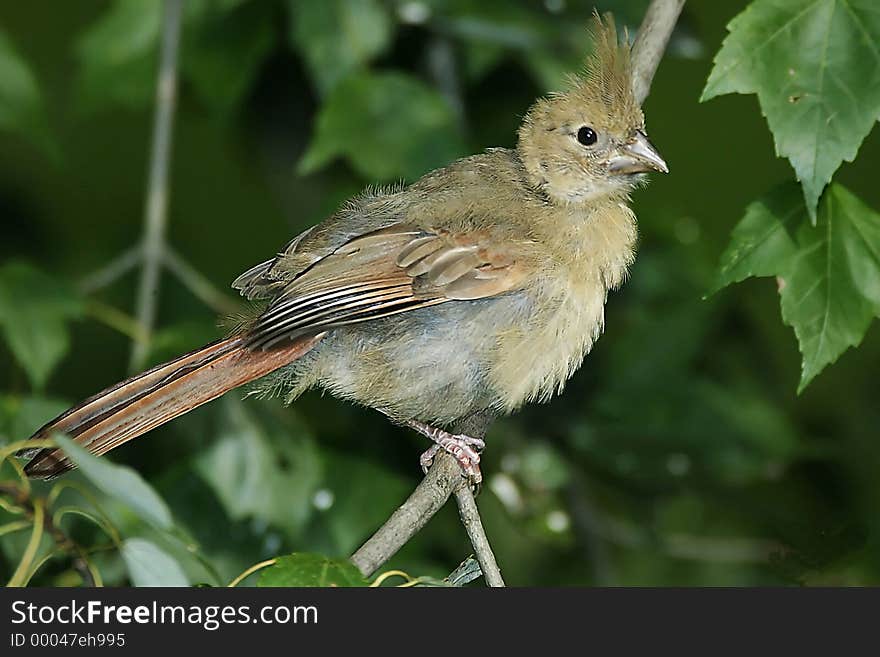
(131, 408)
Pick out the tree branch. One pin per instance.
(112, 271)
(156, 212)
(651, 42)
(444, 477)
(426, 500)
(153, 252)
(473, 525)
(199, 284)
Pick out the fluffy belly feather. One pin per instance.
(534, 360)
(475, 355)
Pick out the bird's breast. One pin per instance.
(535, 357)
(564, 310)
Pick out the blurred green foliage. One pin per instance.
(34, 311)
(679, 455)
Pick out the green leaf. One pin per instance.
(120, 483)
(479, 59)
(511, 25)
(387, 126)
(223, 54)
(549, 47)
(303, 569)
(832, 290)
(149, 565)
(20, 416)
(763, 243)
(829, 274)
(258, 470)
(34, 311)
(118, 55)
(21, 103)
(338, 37)
(815, 66)
(467, 571)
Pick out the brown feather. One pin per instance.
(132, 408)
(385, 272)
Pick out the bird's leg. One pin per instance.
(465, 449)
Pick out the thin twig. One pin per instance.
(654, 33)
(153, 253)
(198, 284)
(20, 576)
(444, 478)
(428, 498)
(115, 319)
(112, 271)
(250, 571)
(473, 525)
(80, 561)
(156, 212)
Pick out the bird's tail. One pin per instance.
(131, 408)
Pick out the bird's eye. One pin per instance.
(587, 136)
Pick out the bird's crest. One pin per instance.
(607, 79)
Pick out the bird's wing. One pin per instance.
(373, 210)
(265, 279)
(385, 272)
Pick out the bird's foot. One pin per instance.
(465, 450)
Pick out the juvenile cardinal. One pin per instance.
(476, 289)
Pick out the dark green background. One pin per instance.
(678, 455)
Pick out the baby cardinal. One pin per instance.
(476, 289)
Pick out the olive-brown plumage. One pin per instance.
(476, 289)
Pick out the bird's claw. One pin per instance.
(464, 449)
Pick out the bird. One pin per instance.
(443, 304)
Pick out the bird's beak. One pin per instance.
(638, 155)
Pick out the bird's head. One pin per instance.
(589, 141)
